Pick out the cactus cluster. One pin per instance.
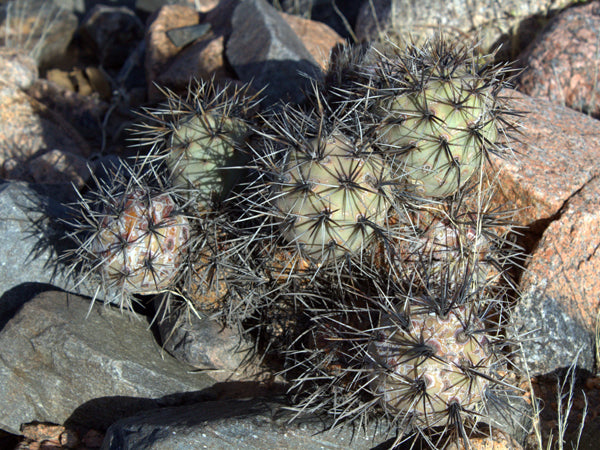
(350, 236)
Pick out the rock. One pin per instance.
(66, 361)
(40, 27)
(552, 183)
(206, 344)
(30, 238)
(240, 424)
(171, 66)
(497, 441)
(508, 412)
(558, 311)
(168, 65)
(561, 65)
(17, 68)
(317, 37)
(341, 18)
(84, 113)
(510, 23)
(150, 6)
(28, 129)
(113, 33)
(556, 154)
(53, 167)
(264, 49)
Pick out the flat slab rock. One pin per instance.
(239, 424)
(64, 361)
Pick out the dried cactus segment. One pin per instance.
(129, 233)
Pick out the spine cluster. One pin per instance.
(350, 236)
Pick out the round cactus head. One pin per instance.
(328, 189)
(201, 138)
(330, 194)
(431, 364)
(130, 235)
(205, 154)
(438, 108)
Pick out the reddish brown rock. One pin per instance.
(560, 304)
(556, 154)
(159, 48)
(498, 441)
(562, 63)
(171, 66)
(317, 37)
(554, 180)
(55, 167)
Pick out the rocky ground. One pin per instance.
(77, 375)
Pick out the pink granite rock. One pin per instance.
(554, 181)
(318, 38)
(562, 63)
(171, 66)
(556, 155)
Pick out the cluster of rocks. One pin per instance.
(179, 383)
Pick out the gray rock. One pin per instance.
(508, 411)
(183, 36)
(17, 68)
(29, 242)
(206, 344)
(489, 21)
(113, 32)
(341, 16)
(239, 424)
(65, 360)
(551, 338)
(263, 49)
(41, 27)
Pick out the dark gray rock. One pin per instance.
(508, 411)
(341, 16)
(183, 36)
(65, 360)
(43, 28)
(551, 339)
(239, 424)
(113, 32)
(30, 238)
(263, 49)
(206, 344)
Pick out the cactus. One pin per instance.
(328, 191)
(201, 138)
(130, 234)
(358, 251)
(436, 109)
(439, 107)
(431, 365)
